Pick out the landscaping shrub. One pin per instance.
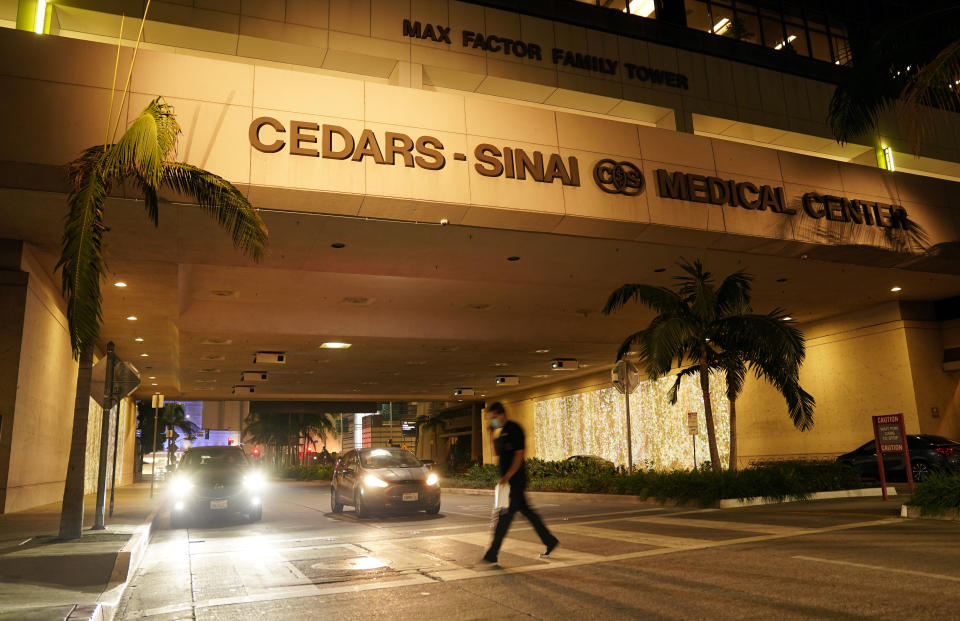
(777, 481)
(308, 473)
(940, 492)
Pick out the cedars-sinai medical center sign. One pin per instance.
(610, 175)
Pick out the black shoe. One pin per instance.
(489, 558)
(550, 547)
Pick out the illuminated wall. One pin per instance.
(594, 423)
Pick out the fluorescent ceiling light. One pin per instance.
(888, 158)
(139, 339)
(643, 8)
(721, 26)
(132, 318)
(41, 16)
(790, 39)
(119, 283)
(335, 345)
(896, 289)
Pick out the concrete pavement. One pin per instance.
(43, 578)
(619, 558)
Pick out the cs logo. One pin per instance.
(618, 177)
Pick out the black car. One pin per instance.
(215, 480)
(927, 453)
(375, 480)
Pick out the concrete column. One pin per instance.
(13, 299)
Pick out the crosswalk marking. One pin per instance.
(748, 527)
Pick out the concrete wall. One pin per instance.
(43, 410)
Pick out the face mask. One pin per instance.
(495, 423)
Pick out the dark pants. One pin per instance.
(518, 502)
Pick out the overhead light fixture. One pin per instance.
(896, 289)
(132, 318)
(888, 158)
(463, 392)
(543, 351)
(120, 284)
(643, 8)
(513, 258)
(243, 390)
(335, 345)
(564, 364)
(790, 39)
(152, 377)
(253, 376)
(721, 26)
(139, 339)
(154, 384)
(338, 245)
(41, 18)
(262, 357)
(507, 380)
(144, 355)
(787, 318)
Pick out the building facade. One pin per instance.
(453, 188)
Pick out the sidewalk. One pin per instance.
(41, 578)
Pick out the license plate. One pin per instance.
(218, 504)
(411, 496)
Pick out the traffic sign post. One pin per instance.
(157, 404)
(890, 436)
(626, 378)
(693, 424)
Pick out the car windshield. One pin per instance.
(937, 439)
(193, 460)
(389, 458)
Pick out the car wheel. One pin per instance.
(362, 511)
(335, 506)
(920, 471)
(256, 514)
(435, 509)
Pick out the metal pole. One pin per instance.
(153, 449)
(116, 452)
(626, 398)
(104, 440)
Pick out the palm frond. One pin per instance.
(659, 299)
(733, 295)
(674, 391)
(766, 338)
(150, 199)
(800, 405)
(667, 338)
(81, 258)
(930, 93)
(223, 201)
(145, 145)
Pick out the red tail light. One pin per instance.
(946, 450)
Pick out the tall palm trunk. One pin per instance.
(708, 412)
(71, 512)
(733, 434)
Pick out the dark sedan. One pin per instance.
(380, 479)
(927, 453)
(215, 480)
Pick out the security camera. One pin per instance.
(564, 364)
(463, 392)
(507, 380)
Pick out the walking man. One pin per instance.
(509, 447)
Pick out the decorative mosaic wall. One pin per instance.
(93, 445)
(594, 423)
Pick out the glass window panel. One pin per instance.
(722, 21)
(820, 46)
(616, 5)
(643, 8)
(772, 31)
(697, 16)
(746, 27)
(796, 41)
(841, 51)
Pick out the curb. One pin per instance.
(950, 515)
(125, 566)
(727, 503)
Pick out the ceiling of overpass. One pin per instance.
(426, 308)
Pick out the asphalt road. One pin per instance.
(841, 559)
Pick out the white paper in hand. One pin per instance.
(501, 497)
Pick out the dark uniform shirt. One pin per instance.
(511, 440)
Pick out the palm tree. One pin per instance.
(172, 414)
(267, 430)
(909, 65)
(142, 157)
(714, 328)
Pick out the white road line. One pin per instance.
(748, 527)
(909, 572)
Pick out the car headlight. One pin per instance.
(433, 479)
(374, 481)
(254, 481)
(180, 486)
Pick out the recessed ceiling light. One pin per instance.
(152, 377)
(144, 355)
(541, 375)
(781, 280)
(499, 364)
(338, 245)
(543, 351)
(895, 289)
(513, 258)
(787, 318)
(154, 384)
(119, 283)
(132, 318)
(139, 339)
(335, 345)
(660, 269)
